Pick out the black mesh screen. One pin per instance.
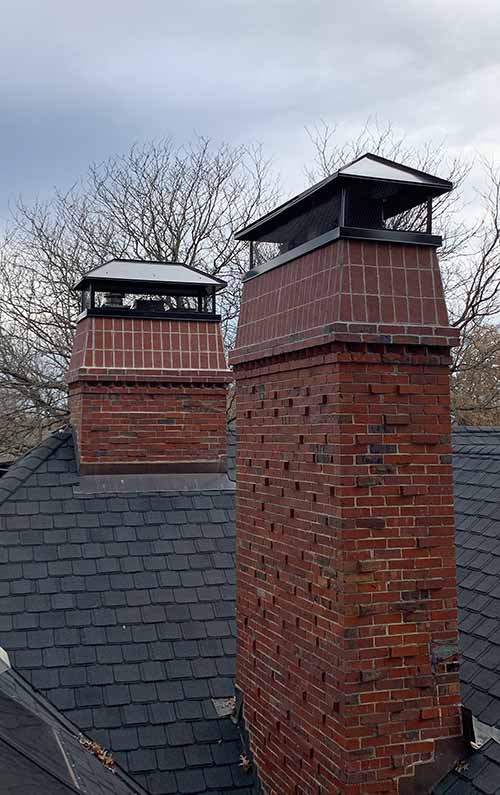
(368, 205)
(363, 211)
(316, 219)
(152, 303)
(312, 221)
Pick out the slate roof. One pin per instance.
(5, 462)
(478, 775)
(120, 610)
(40, 750)
(477, 512)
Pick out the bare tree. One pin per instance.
(469, 257)
(476, 395)
(155, 202)
(161, 202)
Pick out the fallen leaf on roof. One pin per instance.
(103, 756)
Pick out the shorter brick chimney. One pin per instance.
(148, 376)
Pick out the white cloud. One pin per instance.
(81, 81)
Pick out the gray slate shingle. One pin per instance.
(120, 609)
(137, 593)
(477, 775)
(476, 466)
(40, 750)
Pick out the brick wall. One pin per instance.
(347, 290)
(346, 594)
(115, 345)
(148, 393)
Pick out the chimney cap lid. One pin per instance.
(149, 271)
(410, 187)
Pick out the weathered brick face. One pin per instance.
(148, 393)
(346, 593)
(149, 422)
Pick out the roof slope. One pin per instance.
(120, 609)
(478, 775)
(40, 751)
(477, 511)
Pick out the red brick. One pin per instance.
(126, 412)
(396, 419)
(413, 491)
(350, 575)
(429, 713)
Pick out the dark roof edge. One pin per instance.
(476, 441)
(466, 775)
(66, 724)
(29, 463)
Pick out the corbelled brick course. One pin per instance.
(148, 392)
(347, 633)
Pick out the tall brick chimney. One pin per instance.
(346, 593)
(148, 377)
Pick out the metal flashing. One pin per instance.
(165, 483)
(347, 233)
(172, 314)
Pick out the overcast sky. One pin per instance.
(83, 80)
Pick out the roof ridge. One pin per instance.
(29, 463)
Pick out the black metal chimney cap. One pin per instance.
(121, 274)
(397, 186)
